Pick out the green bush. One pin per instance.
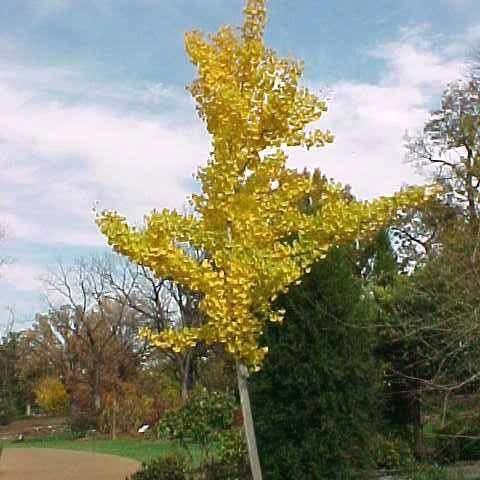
(199, 421)
(232, 462)
(207, 420)
(219, 470)
(232, 447)
(163, 468)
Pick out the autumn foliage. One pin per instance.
(51, 396)
(247, 217)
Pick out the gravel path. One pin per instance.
(50, 464)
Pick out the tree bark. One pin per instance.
(444, 408)
(417, 414)
(96, 391)
(242, 375)
(187, 383)
(114, 418)
(418, 429)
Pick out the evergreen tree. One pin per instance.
(12, 395)
(315, 400)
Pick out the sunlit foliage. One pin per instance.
(247, 217)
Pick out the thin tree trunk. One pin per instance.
(184, 389)
(417, 414)
(97, 402)
(242, 375)
(186, 377)
(444, 410)
(418, 429)
(471, 192)
(114, 418)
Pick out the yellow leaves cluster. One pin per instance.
(248, 218)
(51, 396)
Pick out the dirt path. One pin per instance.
(50, 464)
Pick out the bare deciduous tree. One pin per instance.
(448, 149)
(99, 282)
(97, 334)
(159, 304)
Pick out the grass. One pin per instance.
(140, 450)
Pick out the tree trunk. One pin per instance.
(97, 403)
(74, 409)
(444, 409)
(417, 417)
(114, 418)
(471, 193)
(418, 429)
(242, 375)
(187, 380)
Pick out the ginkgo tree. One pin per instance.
(247, 217)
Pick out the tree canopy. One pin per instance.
(247, 217)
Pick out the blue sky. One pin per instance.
(93, 107)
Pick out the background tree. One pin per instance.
(98, 333)
(428, 334)
(12, 388)
(431, 331)
(45, 351)
(160, 304)
(449, 148)
(51, 396)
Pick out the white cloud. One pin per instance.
(59, 157)
(24, 277)
(15, 226)
(369, 120)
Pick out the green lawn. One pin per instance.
(141, 450)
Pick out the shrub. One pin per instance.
(132, 407)
(200, 420)
(232, 462)
(232, 446)
(51, 396)
(392, 453)
(215, 469)
(163, 468)
(207, 420)
(158, 385)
